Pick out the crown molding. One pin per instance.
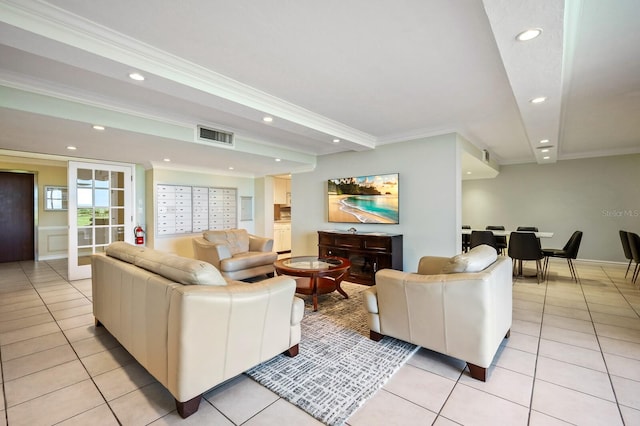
(49, 21)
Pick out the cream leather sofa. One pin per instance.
(458, 306)
(236, 253)
(183, 322)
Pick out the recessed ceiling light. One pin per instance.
(98, 127)
(544, 140)
(166, 160)
(538, 100)
(230, 167)
(136, 76)
(529, 34)
(277, 159)
(267, 119)
(468, 173)
(544, 150)
(336, 140)
(546, 157)
(71, 148)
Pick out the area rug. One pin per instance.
(338, 367)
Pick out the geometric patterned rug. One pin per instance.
(338, 367)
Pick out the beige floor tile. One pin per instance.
(421, 387)
(528, 296)
(18, 297)
(630, 416)
(19, 306)
(469, 406)
(206, 415)
(616, 332)
(106, 361)
(627, 391)
(38, 361)
(120, 381)
(526, 327)
(574, 377)
(617, 320)
(23, 313)
(562, 311)
(572, 354)
(522, 342)
(613, 310)
(526, 305)
(566, 303)
(98, 416)
(282, 413)
(573, 406)
(539, 419)
(28, 333)
(624, 367)
(68, 304)
(77, 321)
(385, 408)
(443, 421)
(73, 312)
(84, 332)
(568, 323)
(437, 363)
(515, 360)
(144, 405)
(507, 384)
(56, 406)
(37, 384)
(527, 315)
(570, 337)
(37, 344)
(65, 297)
(241, 398)
(620, 347)
(95, 344)
(18, 324)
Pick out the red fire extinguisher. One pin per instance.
(139, 233)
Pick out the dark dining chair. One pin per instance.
(626, 248)
(482, 237)
(527, 229)
(501, 240)
(525, 246)
(569, 252)
(634, 245)
(466, 239)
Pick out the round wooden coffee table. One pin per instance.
(325, 274)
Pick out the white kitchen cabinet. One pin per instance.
(281, 237)
(281, 191)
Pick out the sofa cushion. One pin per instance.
(236, 239)
(176, 268)
(475, 260)
(248, 260)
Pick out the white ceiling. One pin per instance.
(368, 73)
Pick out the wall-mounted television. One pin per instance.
(364, 199)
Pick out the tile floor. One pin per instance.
(573, 358)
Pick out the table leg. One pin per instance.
(338, 282)
(314, 291)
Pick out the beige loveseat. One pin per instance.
(183, 322)
(236, 253)
(458, 306)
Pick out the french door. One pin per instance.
(100, 212)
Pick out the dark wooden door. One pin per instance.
(16, 217)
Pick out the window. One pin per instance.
(55, 198)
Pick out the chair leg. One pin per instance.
(628, 266)
(539, 271)
(634, 277)
(572, 269)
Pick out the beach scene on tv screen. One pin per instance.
(364, 199)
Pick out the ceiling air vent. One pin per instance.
(206, 134)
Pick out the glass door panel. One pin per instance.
(100, 210)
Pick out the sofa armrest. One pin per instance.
(210, 252)
(431, 265)
(257, 243)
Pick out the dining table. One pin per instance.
(506, 233)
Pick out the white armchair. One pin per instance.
(458, 306)
(236, 253)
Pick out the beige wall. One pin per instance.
(429, 190)
(598, 196)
